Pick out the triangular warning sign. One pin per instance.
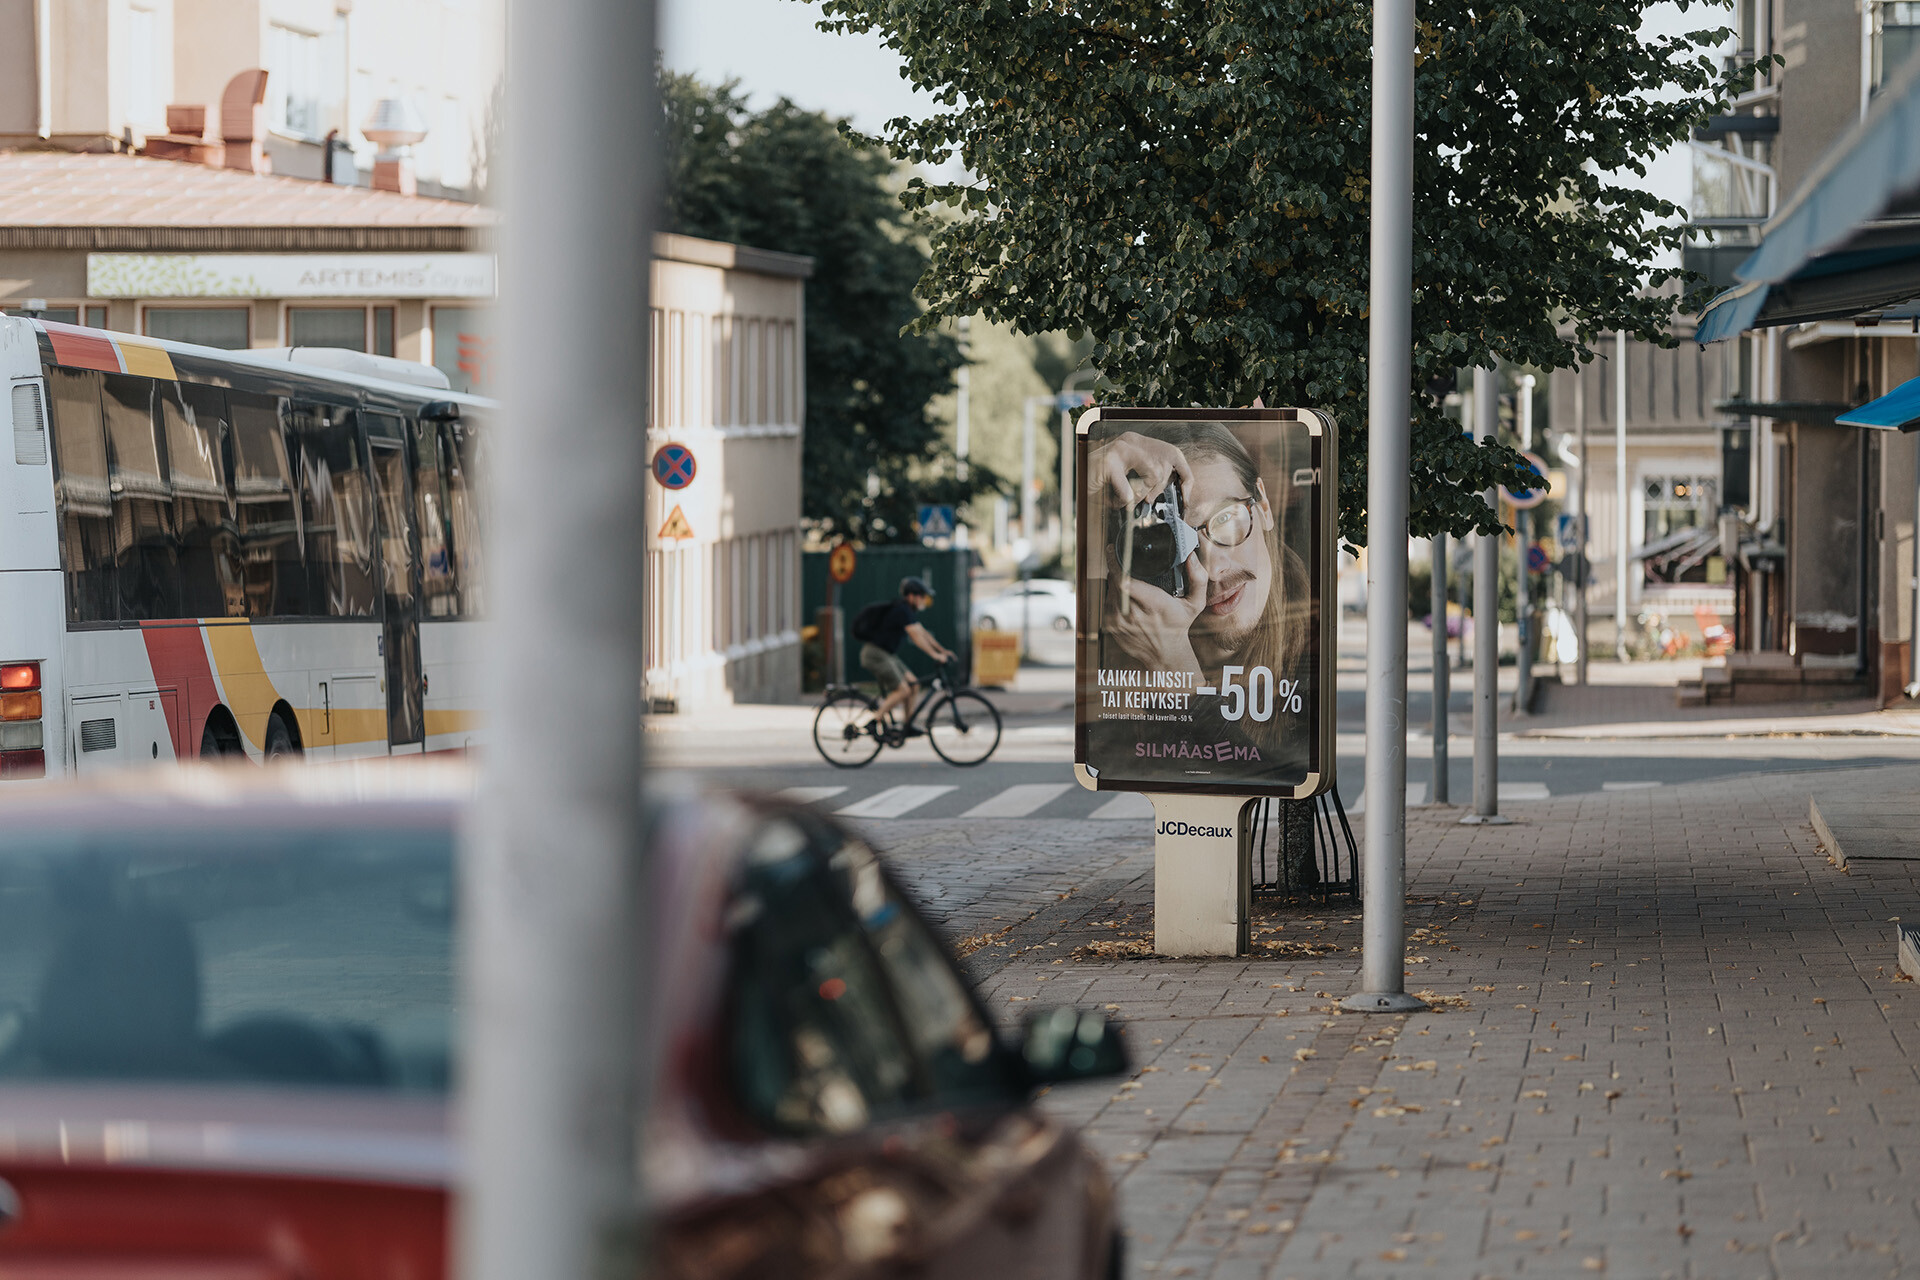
(676, 525)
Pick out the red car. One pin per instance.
(227, 1042)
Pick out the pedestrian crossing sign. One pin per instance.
(935, 521)
(676, 526)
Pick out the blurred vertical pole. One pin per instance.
(1583, 545)
(552, 1083)
(1068, 531)
(1523, 537)
(1437, 604)
(1389, 454)
(1620, 495)
(1026, 472)
(1486, 622)
(963, 419)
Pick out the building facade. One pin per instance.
(728, 396)
(1817, 520)
(101, 75)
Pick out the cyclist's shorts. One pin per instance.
(884, 667)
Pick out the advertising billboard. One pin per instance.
(1206, 652)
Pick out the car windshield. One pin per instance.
(304, 959)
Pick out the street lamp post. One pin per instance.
(553, 1068)
(1389, 453)
(1486, 624)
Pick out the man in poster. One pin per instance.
(1199, 606)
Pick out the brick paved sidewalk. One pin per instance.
(1682, 1051)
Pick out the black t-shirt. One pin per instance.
(892, 628)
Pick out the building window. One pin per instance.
(1674, 503)
(224, 327)
(1896, 35)
(305, 77)
(463, 348)
(144, 107)
(327, 327)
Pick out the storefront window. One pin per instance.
(328, 327)
(463, 348)
(223, 327)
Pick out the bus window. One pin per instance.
(194, 425)
(80, 487)
(273, 571)
(336, 505)
(440, 594)
(149, 577)
(466, 459)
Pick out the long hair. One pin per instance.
(1281, 634)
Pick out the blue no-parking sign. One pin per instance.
(673, 466)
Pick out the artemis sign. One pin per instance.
(290, 275)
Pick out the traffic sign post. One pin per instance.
(840, 565)
(1206, 679)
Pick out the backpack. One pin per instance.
(866, 623)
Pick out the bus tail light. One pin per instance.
(23, 745)
(23, 764)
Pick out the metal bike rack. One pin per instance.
(1336, 857)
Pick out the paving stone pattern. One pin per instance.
(1684, 1050)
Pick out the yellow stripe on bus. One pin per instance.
(149, 362)
(249, 690)
(451, 721)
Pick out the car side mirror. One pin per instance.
(1058, 1046)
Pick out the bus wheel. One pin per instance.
(280, 741)
(219, 739)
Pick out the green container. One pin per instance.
(876, 576)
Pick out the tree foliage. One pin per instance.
(1187, 181)
(786, 179)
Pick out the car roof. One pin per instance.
(239, 796)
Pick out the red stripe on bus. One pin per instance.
(179, 658)
(78, 349)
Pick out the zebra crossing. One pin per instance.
(1067, 800)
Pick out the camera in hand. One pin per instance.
(1150, 543)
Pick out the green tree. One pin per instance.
(788, 180)
(1187, 181)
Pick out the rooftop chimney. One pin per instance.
(243, 122)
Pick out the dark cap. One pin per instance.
(915, 587)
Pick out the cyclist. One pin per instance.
(880, 627)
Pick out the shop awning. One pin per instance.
(1898, 410)
(1848, 241)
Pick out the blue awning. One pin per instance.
(1731, 313)
(1898, 410)
(1848, 241)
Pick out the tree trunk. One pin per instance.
(1293, 840)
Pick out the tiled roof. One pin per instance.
(65, 189)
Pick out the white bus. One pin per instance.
(209, 553)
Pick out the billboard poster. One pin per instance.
(1206, 634)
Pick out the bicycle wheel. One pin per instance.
(842, 729)
(964, 728)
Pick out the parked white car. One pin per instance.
(1046, 608)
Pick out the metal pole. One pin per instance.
(553, 1075)
(1066, 492)
(1486, 624)
(963, 417)
(1582, 542)
(1437, 597)
(1523, 530)
(1389, 446)
(1913, 623)
(1620, 495)
(1026, 472)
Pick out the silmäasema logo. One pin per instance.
(1185, 829)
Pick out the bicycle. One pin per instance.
(962, 726)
